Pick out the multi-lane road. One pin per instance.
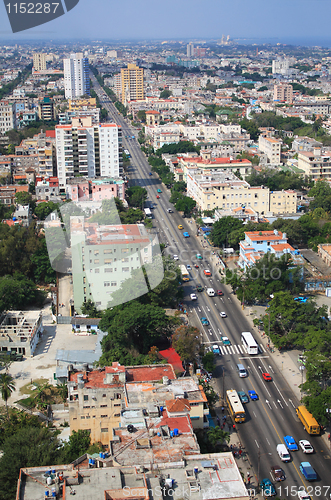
(271, 417)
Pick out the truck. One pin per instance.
(307, 471)
(184, 272)
(148, 213)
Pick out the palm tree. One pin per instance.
(7, 386)
(216, 434)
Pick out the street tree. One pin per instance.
(217, 435)
(7, 386)
(186, 342)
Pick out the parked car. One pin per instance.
(290, 443)
(243, 397)
(277, 473)
(193, 296)
(206, 272)
(305, 446)
(204, 321)
(252, 394)
(267, 377)
(267, 488)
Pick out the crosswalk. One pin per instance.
(232, 349)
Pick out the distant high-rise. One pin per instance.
(283, 92)
(76, 76)
(39, 61)
(129, 84)
(190, 49)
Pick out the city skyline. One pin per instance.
(282, 22)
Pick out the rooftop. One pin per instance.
(202, 477)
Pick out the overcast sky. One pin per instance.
(257, 20)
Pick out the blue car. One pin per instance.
(204, 321)
(253, 395)
(290, 443)
(186, 235)
(242, 396)
(267, 488)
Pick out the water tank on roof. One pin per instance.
(165, 380)
(130, 428)
(176, 432)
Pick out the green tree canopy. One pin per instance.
(186, 342)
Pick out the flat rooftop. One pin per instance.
(201, 477)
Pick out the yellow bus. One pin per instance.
(308, 421)
(235, 406)
(184, 272)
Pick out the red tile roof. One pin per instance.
(149, 373)
(177, 405)
(172, 358)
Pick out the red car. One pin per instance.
(267, 377)
(219, 292)
(157, 196)
(207, 272)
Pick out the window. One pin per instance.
(106, 283)
(125, 259)
(125, 269)
(87, 416)
(117, 414)
(96, 270)
(103, 406)
(104, 429)
(108, 270)
(117, 404)
(96, 252)
(85, 397)
(108, 250)
(96, 261)
(113, 283)
(83, 418)
(108, 261)
(104, 416)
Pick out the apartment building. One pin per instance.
(87, 149)
(129, 84)
(46, 109)
(316, 163)
(283, 202)
(47, 188)
(39, 61)
(66, 117)
(104, 257)
(257, 243)
(271, 147)
(283, 92)
(95, 190)
(7, 116)
(223, 190)
(76, 76)
(191, 163)
(81, 103)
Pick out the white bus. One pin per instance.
(249, 343)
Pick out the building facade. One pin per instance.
(7, 116)
(76, 76)
(46, 109)
(129, 84)
(316, 163)
(271, 147)
(39, 61)
(20, 331)
(283, 92)
(89, 150)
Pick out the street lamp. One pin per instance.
(328, 414)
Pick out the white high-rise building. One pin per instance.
(190, 49)
(7, 116)
(76, 76)
(84, 148)
(39, 61)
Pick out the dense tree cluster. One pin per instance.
(276, 181)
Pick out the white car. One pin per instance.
(176, 257)
(193, 296)
(223, 314)
(305, 446)
(303, 495)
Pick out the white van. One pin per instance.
(211, 292)
(283, 453)
(242, 372)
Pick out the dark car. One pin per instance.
(277, 473)
(199, 288)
